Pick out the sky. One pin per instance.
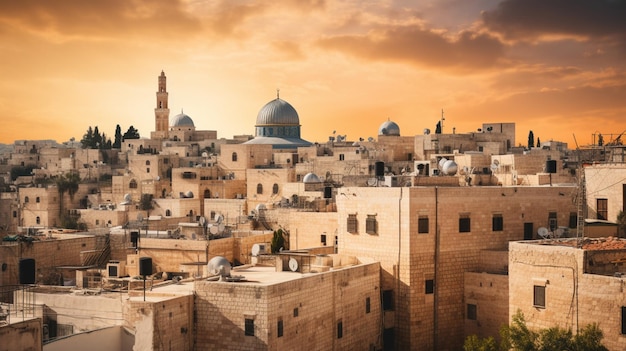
(556, 67)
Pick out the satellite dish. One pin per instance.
(494, 167)
(213, 229)
(221, 227)
(205, 154)
(127, 200)
(559, 232)
(157, 178)
(219, 265)
(496, 162)
(189, 194)
(258, 249)
(293, 264)
(371, 182)
(219, 218)
(543, 232)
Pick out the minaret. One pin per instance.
(162, 112)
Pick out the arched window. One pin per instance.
(26, 199)
(275, 189)
(207, 194)
(147, 162)
(234, 157)
(132, 184)
(191, 214)
(38, 220)
(37, 199)
(259, 188)
(168, 213)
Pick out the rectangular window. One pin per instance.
(352, 224)
(388, 300)
(539, 296)
(295, 312)
(497, 222)
(279, 328)
(249, 327)
(624, 320)
(552, 223)
(471, 312)
(422, 224)
(464, 223)
(429, 286)
(602, 206)
(367, 305)
(341, 157)
(339, 329)
(573, 220)
(371, 225)
(323, 239)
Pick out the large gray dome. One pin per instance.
(182, 120)
(277, 112)
(389, 128)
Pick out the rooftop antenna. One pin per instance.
(277, 93)
(581, 198)
(442, 119)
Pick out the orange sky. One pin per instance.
(556, 67)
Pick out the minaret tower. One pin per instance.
(161, 112)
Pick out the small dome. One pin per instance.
(277, 112)
(311, 178)
(389, 128)
(182, 120)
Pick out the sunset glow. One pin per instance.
(555, 67)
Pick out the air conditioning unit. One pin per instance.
(116, 269)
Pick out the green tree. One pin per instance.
(278, 241)
(589, 339)
(474, 343)
(600, 140)
(538, 142)
(117, 144)
(18, 171)
(69, 183)
(87, 140)
(131, 133)
(531, 140)
(145, 204)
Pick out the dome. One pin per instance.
(389, 128)
(182, 120)
(277, 112)
(311, 178)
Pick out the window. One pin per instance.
(623, 320)
(275, 189)
(279, 328)
(497, 222)
(323, 239)
(234, 157)
(26, 199)
(168, 213)
(429, 286)
(602, 208)
(249, 327)
(97, 221)
(539, 296)
(132, 184)
(552, 223)
(38, 220)
(259, 188)
(147, 170)
(207, 193)
(340, 329)
(573, 220)
(367, 305)
(295, 312)
(14, 214)
(388, 300)
(371, 225)
(471, 312)
(341, 157)
(464, 223)
(37, 199)
(352, 224)
(422, 225)
(147, 162)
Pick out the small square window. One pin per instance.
(422, 225)
(429, 286)
(539, 296)
(249, 327)
(471, 311)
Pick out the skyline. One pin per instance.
(554, 67)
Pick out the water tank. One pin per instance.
(380, 168)
(219, 265)
(551, 166)
(449, 167)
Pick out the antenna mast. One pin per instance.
(581, 197)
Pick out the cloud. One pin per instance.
(465, 52)
(530, 19)
(99, 19)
